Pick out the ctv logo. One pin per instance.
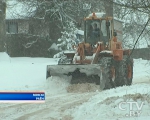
(132, 112)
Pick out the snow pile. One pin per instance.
(4, 57)
(55, 85)
(84, 87)
(105, 104)
(23, 73)
(22, 76)
(141, 71)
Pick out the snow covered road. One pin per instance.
(69, 102)
(54, 107)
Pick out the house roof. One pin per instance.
(18, 10)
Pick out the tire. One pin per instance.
(124, 70)
(115, 73)
(121, 73)
(47, 73)
(107, 81)
(129, 71)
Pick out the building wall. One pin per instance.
(34, 27)
(143, 53)
(40, 29)
(23, 26)
(29, 40)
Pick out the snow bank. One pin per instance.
(56, 85)
(23, 73)
(105, 104)
(84, 87)
(4, 57)
(141, 71)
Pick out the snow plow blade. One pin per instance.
(89, 73)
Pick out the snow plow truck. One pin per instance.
(100, 59)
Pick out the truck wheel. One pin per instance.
(129, 71)
(47, 73)
(107, 73)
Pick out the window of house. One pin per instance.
(12, 27)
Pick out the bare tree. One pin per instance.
(55, 13)
(2, 26)
(135, 14)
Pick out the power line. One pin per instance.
(139, 37)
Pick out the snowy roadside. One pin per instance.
(23, 73)
(141, 71)
(105, 104)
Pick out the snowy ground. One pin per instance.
(70, 102)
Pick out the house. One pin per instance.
(25, 35)
(19, 20)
